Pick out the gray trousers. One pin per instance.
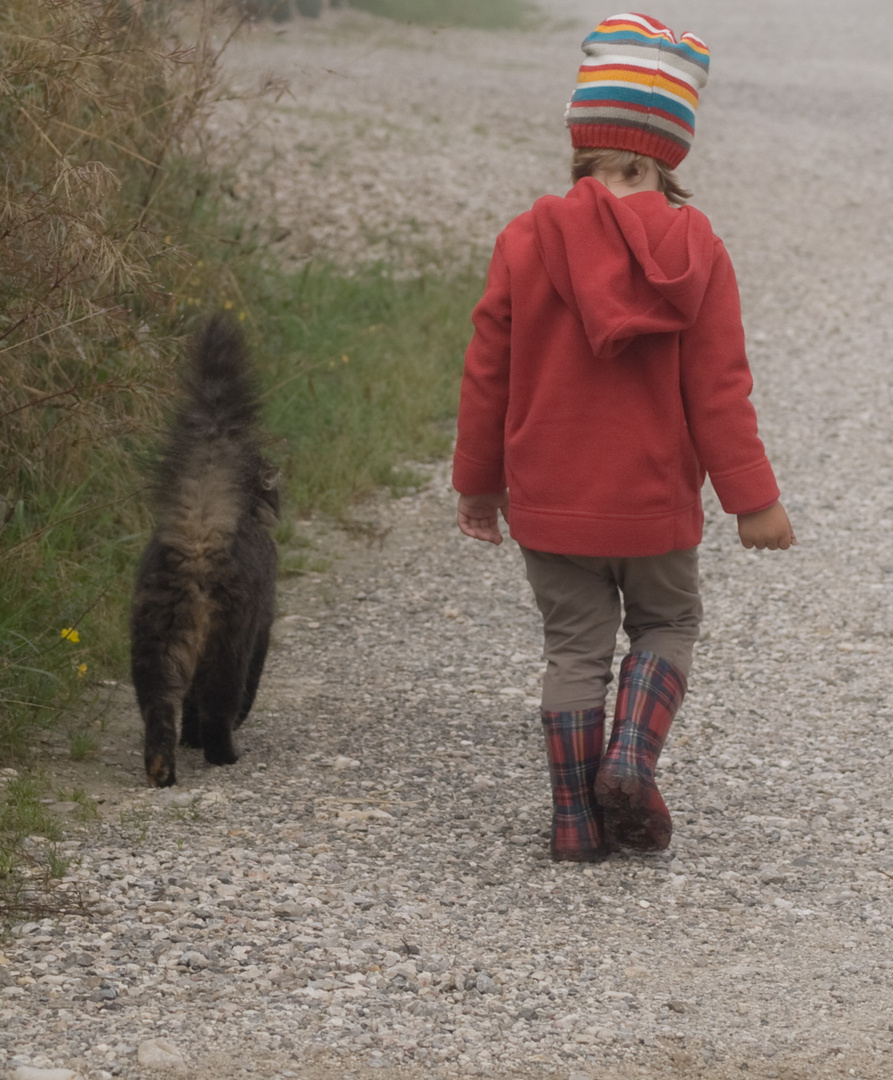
(580, 601)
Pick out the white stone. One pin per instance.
(161, 1056)
(28, 1072)
(340, 763)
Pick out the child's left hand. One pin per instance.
(478, 515)
(769, 528)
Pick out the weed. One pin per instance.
(23, 813)
(57, 866)
(405, 480)
(187, 813)
(294, 563)
(87, 808)
(83, 743)
(137, 823)
(30, 885)
(30, 865)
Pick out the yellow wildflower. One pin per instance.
(228, 305)
(70, 634)
(82, 670)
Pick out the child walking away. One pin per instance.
(606, 377)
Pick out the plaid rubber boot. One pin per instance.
(649, 692)
(574, 742)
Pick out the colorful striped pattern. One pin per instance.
(638, 89)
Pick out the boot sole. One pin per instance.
(596, 856)
(581, 848)
(629, 821)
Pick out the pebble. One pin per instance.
(159, 1055)
(25, 1072)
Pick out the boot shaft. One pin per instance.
(634, 813)
(649, 693)
(574, 742)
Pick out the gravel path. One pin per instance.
(367, 892)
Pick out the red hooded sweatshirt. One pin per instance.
(607, 375)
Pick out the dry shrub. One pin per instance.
(109, 249)
(102, 119)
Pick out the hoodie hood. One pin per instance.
(624, 266)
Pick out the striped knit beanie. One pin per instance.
(638, 89)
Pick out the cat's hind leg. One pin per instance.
(218, 688)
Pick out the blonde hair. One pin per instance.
(587, 161)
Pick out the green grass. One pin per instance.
(362, 373)
(86, 804)
(23, 804)
(82, 745)
(30, 864)
(479, 14)
(76, 575)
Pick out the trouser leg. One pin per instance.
(662, 605)
(580, 604)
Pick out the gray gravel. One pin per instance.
(367, 892)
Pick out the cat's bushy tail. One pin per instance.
(207, 476)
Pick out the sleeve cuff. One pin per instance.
(475, 477)
(747, 491)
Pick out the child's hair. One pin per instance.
(587, 161)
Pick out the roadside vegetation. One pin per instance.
(478, 14)
(118, 237)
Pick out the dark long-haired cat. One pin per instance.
(205, 589)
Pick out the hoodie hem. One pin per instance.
(629, 537)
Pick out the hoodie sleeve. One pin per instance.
(716, 386)
(483, 401)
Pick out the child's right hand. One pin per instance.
(769, 528)
(478, 515)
